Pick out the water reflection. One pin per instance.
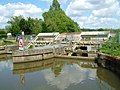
(66, 74)
(56, 74)
(70, 74)
(5, 62)
(6, 65)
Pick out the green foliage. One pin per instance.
(24, 26)
(18, 24)
(57, 21)
(36, 26)
(112, 47)
(14, 27)
(55, 5)
(3, 34)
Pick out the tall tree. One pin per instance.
(55, 5)
(57, 21)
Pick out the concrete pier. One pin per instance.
(42, 53)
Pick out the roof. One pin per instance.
(48, 34)
(95, 33)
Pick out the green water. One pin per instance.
(56, 74)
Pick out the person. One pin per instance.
(21, 43)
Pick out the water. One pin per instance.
(56, 74)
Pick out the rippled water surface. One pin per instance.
(56, 74)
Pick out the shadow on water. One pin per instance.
(106, 76)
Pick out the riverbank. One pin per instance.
(109, 62)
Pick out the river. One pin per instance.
(55, 74)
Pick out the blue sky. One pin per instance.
(87, 13)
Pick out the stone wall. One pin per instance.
(109, 62)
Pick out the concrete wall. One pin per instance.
(27, 58)
(8, 49)
(37, 54)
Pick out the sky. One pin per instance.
(87, 13)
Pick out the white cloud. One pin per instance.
(16, 9)
(69, 75)
(110, 11)
(95, 13)
(5, 65)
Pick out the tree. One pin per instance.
(18, 24)
(55, 5)
(14, 27)
(35, 25)
(57, 21)
(3, 33)
(24, 26)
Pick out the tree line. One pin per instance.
(17, 24)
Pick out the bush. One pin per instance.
(3, 34)
(112, 47)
